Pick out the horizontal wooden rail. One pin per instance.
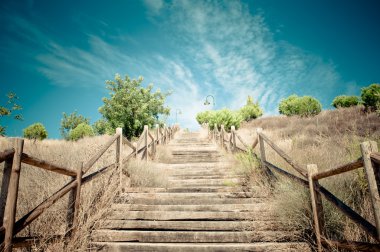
(280, 152)
(375, 156)
(25, 158)
(4, 155)
(352, 245)
(127, 142)
(355, 217)
(241, 140)
(95, 158)
(340, 169)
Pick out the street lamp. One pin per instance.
(177, 112)
(207, 101)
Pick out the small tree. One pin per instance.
(36, 131)
(251, 110)
(371, 96)
(70, 122)
(344, 101)
(9, 109)
(82, 130)
(204, 117)
(225, 117)
(302, 106)
(132, 106)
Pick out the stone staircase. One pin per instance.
(204, 208)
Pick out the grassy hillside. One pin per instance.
(329, 139)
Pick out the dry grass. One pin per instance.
(36, 185)
(146, 174)
(329, 139)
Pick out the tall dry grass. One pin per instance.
(330, 139)
(36, 185)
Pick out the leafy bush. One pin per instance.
(102, 127)
(35, 131)
(371, 96)
(70, 122)
(344, 101)
(204, 117)
(225, 117)
(81, 131)
(302, 106)
(251, 110)
(132, 106)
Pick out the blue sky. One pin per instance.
(56, 55)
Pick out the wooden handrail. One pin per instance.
(127, 142)
(282, 153)
(375, 156)
(340, 169)
(27, 159)
(241, 140)
(355, 217)
(4, 155)
(95, 158)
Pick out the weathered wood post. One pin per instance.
(316, 204)
(158, 133)
(222, 136)
(136, 148)
(373, 177)
(11, 204)
(119, 151)
(216, 132)
(262, 147)
(233, 138)
(146, 141)
(165, 137)
(77, 198)
(4, 187)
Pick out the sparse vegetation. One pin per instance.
(251, 110)
(9, 109)
(303, 106)
(344, 101)
(36, 131)
(329, 139)
(143, 174)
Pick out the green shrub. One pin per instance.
(371, 96)
(35, 131)
(81, 131)
(204, 117)
(251, 110)
(344, 101)
(302, 106)
(225, 117)
(102, 127)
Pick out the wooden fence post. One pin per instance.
(10, 207)
(164, 134)
(136, 149)
(373, 177)
(222, 135)
(263, 155)
(119, 151)
(158, 133)
(77, 197)
(4, 187)
(216, 132)
(233, 138)
(146, 128)
(316, 204)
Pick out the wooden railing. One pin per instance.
(14, 157)
(309, 178)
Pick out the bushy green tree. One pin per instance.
(302, 106)
(204, 117)
(36, 131)
(225, 117)
(371, 96)
(251, 110)
(344, 101)
(70, 122)
(82, 130)
(9, 109)
(102, 127)
(132, 106)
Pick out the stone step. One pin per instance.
(189, 215)
(205, 182)
(230, 189)
(105, 235)
(203, 176)
(193, 225)
(187, 196)
(211, 201)
(203, 247)
(195, 208)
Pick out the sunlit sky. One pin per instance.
(56, 55)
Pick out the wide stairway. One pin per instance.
(204, 208)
